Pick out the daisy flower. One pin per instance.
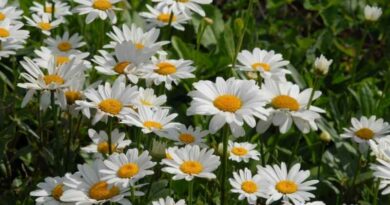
(160, 17)
(268, 63)
(243, 151)
(44, 23)
(232, 101)
(147, 98)
(163, 70)
(87, 187)
(109, 101)
(191, 161)
(137, 36)
(125, 61)
(97, 8)
(185, 6)
(50, 191)
(10, 13)
(99, 145)
(61, 9)
(183, 135)
(382, 171)
(366, 128)
(9, 47)
(45, 55)
(168, 201)
(381, 148)
(248, 186)
(287, 105)
(126, 169)
(372, 13)
(53, 79)
(158, 121)
(158, 149)
(287, 185)
(66, 43)
(12, 32)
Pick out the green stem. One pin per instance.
(190, 191)
(110, 119)
(57, 141)
(295, 150)
(315, 86)
(358, 50)
(357, 170)
(320, 161)
(224, 164)
(376, 191)
(69, 140)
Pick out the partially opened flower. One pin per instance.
(60, 9)
(44, 23)
(126, 169)
(50, 191)
(366, 129)
(65, 43)
(194, 136)
(147, 98)
(190, 162)
(382, 170)
(109, 101)
(380, 148)
(45, 55)
(185, 6)
(232, 101)
(372, 13)
(97, 9)
(100, 145)
(248, 186)
(288, 105)
(168, 201)
(9, 47)
(287, 185)
(164, 16)
(243, 151)
(321, 65)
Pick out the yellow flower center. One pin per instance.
(191, 167)
(265, 66)
(112, 106)
(249, 186)
(102, 147)
(72, 96)
(44, 26)
(128, 170)
(186, 138)
(239, 151)
(153, 124)
(285, 102)
(64, 46)
(168, 156)
(102, 5)
(120, 67)
(57, 192)
(60, 60)
(56, 79)
(146, 103)
(365, 134)
(165, 18)
(227, 103)
(49, 9)
(165, 68)
(4, 33)
(101, 191)
(286, 187)
(2, 16)
(139, 46)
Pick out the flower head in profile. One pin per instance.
(188, 135)
(287, 185)
(148, 98)
(233, 102)
(168, 201)
(190, 162)
(50, 191)
(44, 23)
(247, 186)
(380, 148)
(65, 43)
(372, 13)
(321, 65)
(45, 55)
(164, 16)
(11, 14)
(12, 32)
(185, 6)
(60, 9)
(97, 9)
(382, 166)
(288, 105)
(243, 151)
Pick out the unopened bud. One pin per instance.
(325, 136)
(158, 149)
(321, 65)
(209, 21)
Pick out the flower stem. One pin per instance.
(57, 141)
(109, 135)
(315, 86)
(224, 165)
(190, 191)
(320, 161)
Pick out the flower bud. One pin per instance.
(325, 136)
(372, 13)
(321, 65)
(158, 149)
(209, 21)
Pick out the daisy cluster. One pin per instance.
(137, 72)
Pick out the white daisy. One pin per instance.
(113, 101)
(288, 105)
(87, 187)
(287, 185)
(268, 63)
(183, 135)
(158, 149)
(50, 191)
(372, 13)
(158, 121)
(11, 13)
(126, 169)
(191, 161)
(45, 55)
(137, 36)
(61, 9)
(100, 146)
(382, 171)
(125, 61)
(66, 43)
(381, 148)
(232, 101)
(248, 186)
(163, 70)
(185, 6)
(243, 151)
(160, 17)
(44, 23)
(9, 47)
(97, 8)
(168, 201)
(366, 128)
(147, 98)
(12, 32)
